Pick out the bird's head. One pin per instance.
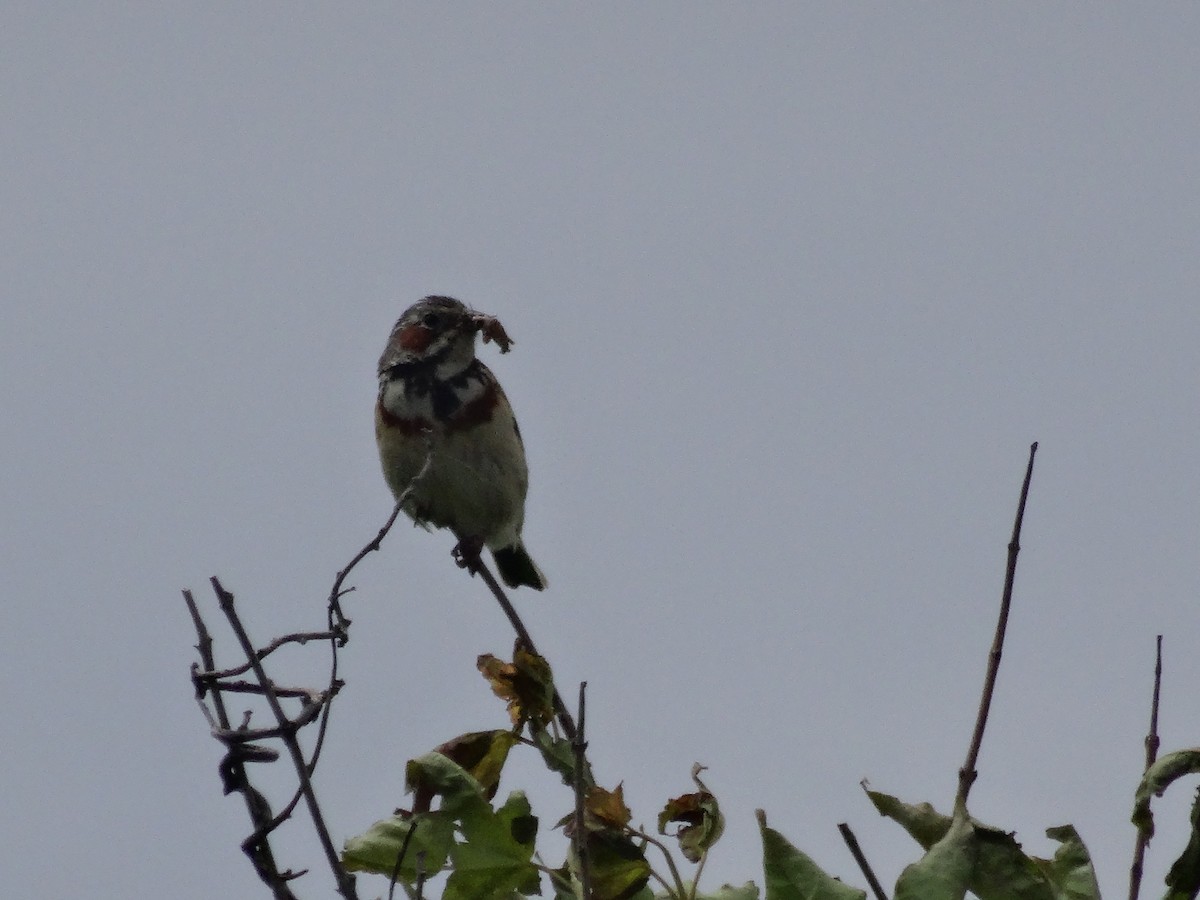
(437, 333)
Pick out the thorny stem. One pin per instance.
(338, 623)
(234, 770)
(336, 592)
(1143, 838)
(967, 774)
(345, 881)
(300, 637)
(210, 680)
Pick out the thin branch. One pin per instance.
(680, 891)
(204, 641)
(233, 772)
(579, 746)
(861, 859)
(412, 826)
(249, 687)
(477, 565)
(336, 618)
(1143, 837)
(338, 623)
(209, 680)
(300, 637)
(236, 736)
(696, 877)
(670, 892)
(345, 881)
(967, 774)
(336, 592)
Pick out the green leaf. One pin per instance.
(558, 755)
(376, 849)
(618, 866)
(494, 859)
(926, 825)
(1002, 871)
(565, 887)
(1157, 779)
(1070, 873)
(435, 774)
(482, 754)
(944, 872)
(1183, 880)
(790, 875)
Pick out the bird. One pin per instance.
(449, 444)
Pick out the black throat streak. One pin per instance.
(447, 395)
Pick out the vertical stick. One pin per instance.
(1143, 840)
(579, 745)
(967, 774)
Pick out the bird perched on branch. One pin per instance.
(439, 404)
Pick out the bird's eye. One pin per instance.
(431, 320)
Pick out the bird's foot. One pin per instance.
(466, 553)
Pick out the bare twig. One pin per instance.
(579, 746)
(338, 623)
(336, 618)
(208, 680)
(345, 881)
(244, 735)
(1143, 836)
(967, 774)
(336, 592)
(300, 637)
(233, 772)
(249, 687)
(861, 859)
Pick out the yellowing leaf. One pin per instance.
(607, 807)
(526, 684)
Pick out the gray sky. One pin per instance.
(793, 289)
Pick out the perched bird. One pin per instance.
(437, 400)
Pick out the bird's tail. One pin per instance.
(517, 568)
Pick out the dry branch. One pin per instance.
(967, 774)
